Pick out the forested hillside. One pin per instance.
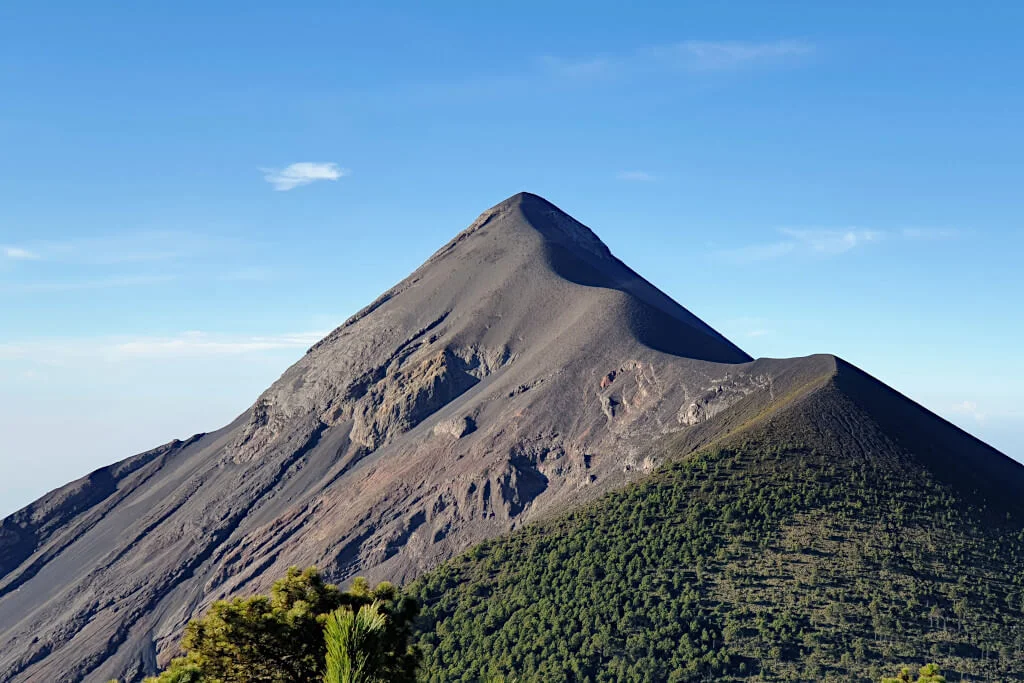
(815, 543)
(812, 547)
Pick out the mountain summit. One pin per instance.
(520, 371)
(537, 267)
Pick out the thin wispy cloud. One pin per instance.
(545, 75)
(635, 176)
(748, 327)
(202, 343)
(140, 246)
(711, 55)
(826, 242)
(833, 241)
(968, 408)
(131, 259)
(19, 254)
(684, 56)
(121, 349)
(303, 173)
(85, 285)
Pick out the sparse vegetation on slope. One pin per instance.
(808, 546)
(813, 550)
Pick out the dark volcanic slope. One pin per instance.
(520, 370)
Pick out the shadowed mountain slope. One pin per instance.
(522, 370)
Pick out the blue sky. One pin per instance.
(192, 193)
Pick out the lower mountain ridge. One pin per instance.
(678, 510)
(817, 543)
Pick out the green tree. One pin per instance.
(280, 638)
(929, 673)
(180, 671)
(353, 648)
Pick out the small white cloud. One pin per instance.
(709, 55)
(302, 173)
(807, 242)
(20, 254)
(636, 176)
(748, 327)
(969, 408)
(829, 241)
(834, 241)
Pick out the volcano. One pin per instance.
(520, 372)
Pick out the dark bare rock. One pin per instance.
(521, 370)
